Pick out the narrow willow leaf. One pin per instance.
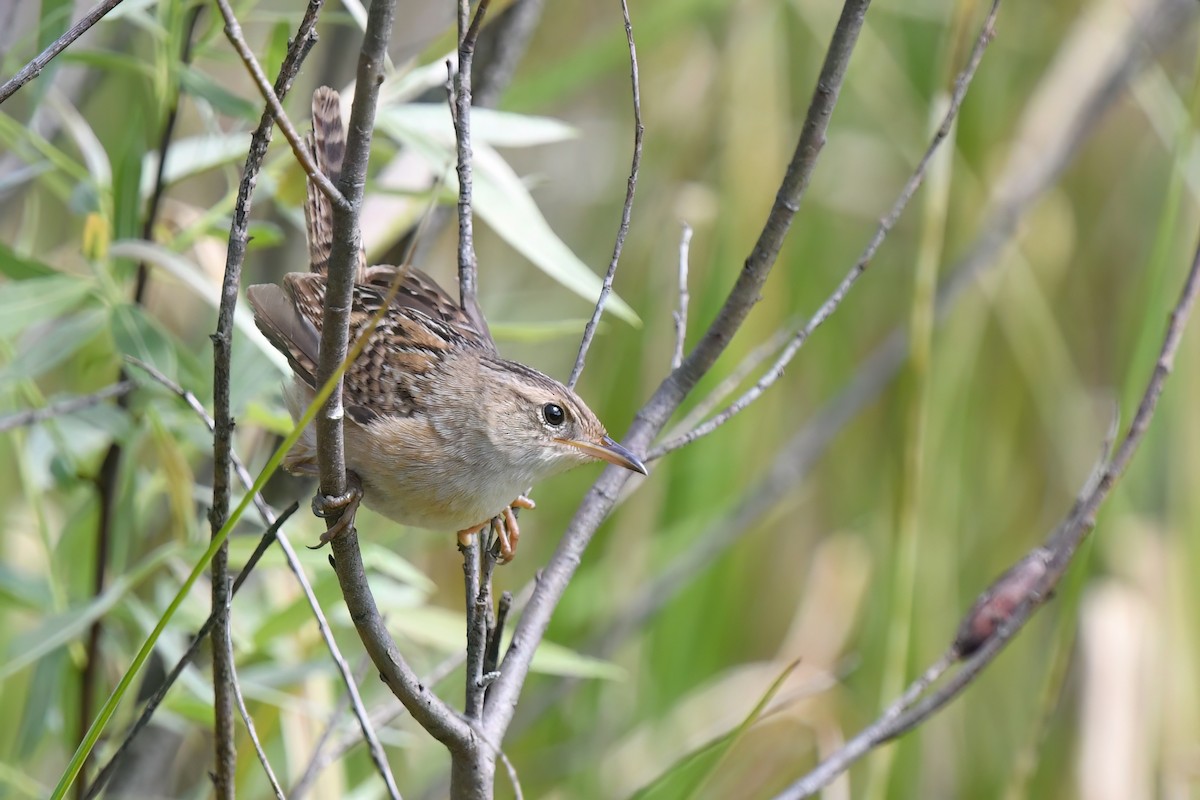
(504, 203)
(56, 631)
(188, 274)
(137, 334)
(49, 344)
(37, 299)
(497, 128)
(193, 155)
(223, 101)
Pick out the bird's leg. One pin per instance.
(344, 506)
(505, 527)
(464, 536)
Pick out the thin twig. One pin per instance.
(426, 707)
(297, 50)
(378, 757)
(491, 659)
(233, 31)
(35, 67)
(1060, 550)
(164, 144)
(499, 49)
(62, 408)
(250, 729)
(502, 697)
(108, 480)
(744, 368)
(222, 340)
(186, 659)
(468, 34)
(798, 457)
(681, 314)
(476, 628)
(324, 755)
(589, 331)
(331, 723)
(961, 84)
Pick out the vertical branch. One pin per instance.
(222, 340)
(589, 330)
(432, 714)
(468, 272)
(476, 626)
(110, 468)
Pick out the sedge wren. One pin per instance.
(441, 432)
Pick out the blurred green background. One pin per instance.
(856, 558)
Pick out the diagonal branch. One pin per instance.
(999, 612)
(35, 67)
(599, 501)
(233, 31)
(961, 84)
(62, 408)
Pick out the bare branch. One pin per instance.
(62, 408)
(961, 84)
(428, 709)
(233, 32)
(589, 330)
(293, 560)
(250, 729)
(35, 67)
(1034, 586)
(680, 315)
(476, 614)
(468, 35)
(502, 697)
(189, 655)
(324, 755)
(801, 453)
(222, 340)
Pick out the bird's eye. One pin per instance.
(554, 414)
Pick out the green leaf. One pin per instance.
(60, 629)
(38, 300)
(137, 334)
(22, 589)
(497, 128)
(277, 46)
(693, 769)
(192, 156)
(502, 200)
(45, 346)
(535, 332)
(188, 274)
(223, 101)
(19, 268)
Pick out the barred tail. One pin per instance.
(327, 143)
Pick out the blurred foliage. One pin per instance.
(1101, 690)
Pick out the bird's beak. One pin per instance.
(610, 451)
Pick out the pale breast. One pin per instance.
(412, 477)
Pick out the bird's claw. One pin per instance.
(505, 529)
(343, 506)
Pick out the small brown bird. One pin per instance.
(441, 432)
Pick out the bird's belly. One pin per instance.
(439, 506)
(409, 475)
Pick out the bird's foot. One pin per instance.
(343, 507)
(505, 528)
